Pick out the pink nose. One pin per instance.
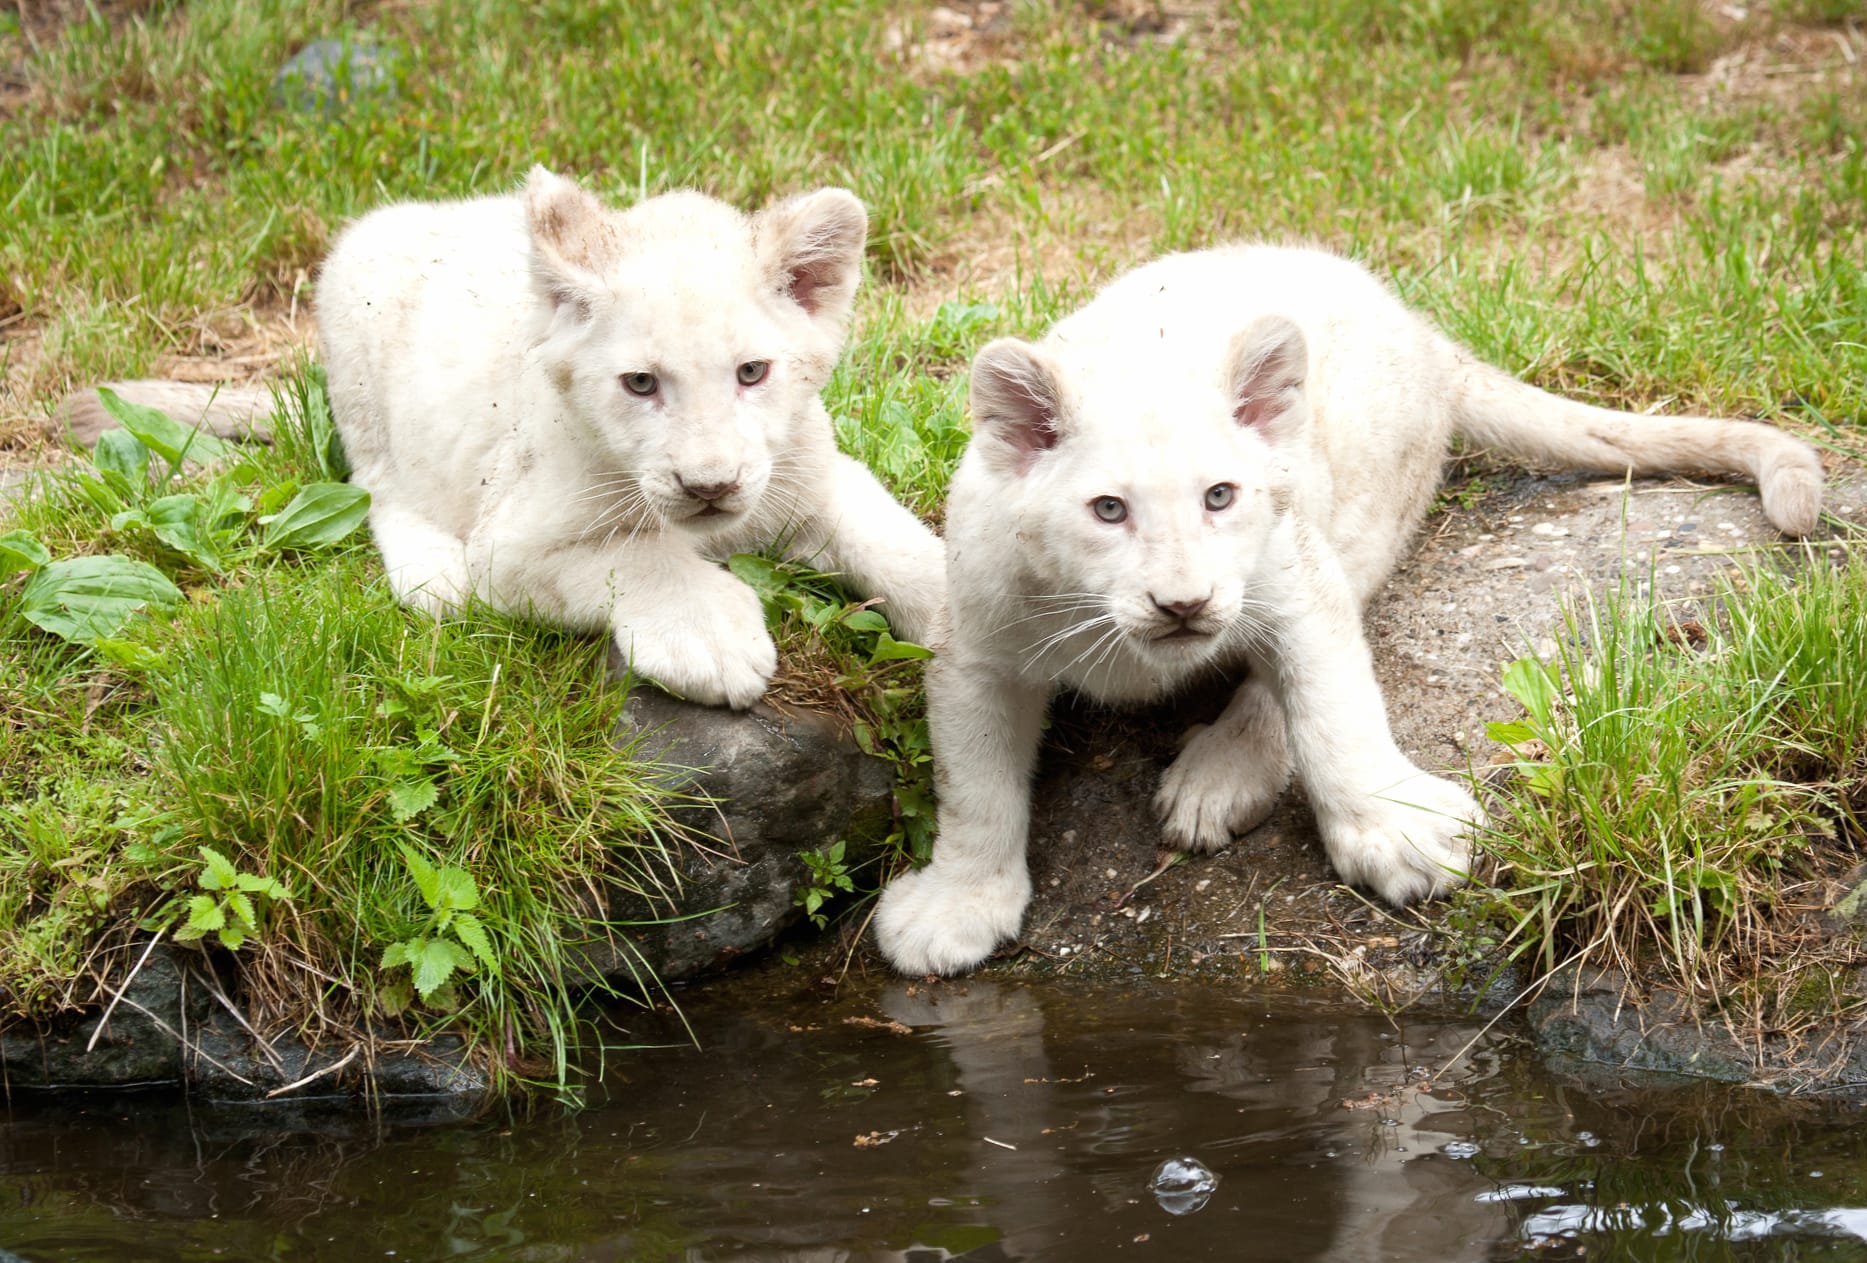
(1181, 609)
(709, 491)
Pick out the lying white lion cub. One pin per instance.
(1211, 467)
(571, 411)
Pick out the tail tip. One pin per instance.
(1792, 498)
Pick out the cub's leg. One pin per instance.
(681, 621)
(948, 916)
(1229, 773)
(426, 565)
(1386, 824)
(882, 548)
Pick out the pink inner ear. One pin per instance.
(1254, 410)
(806, 280)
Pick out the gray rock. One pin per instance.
(333, 76)
(139, 1043)
(168, 1031)
(1598, 1017)
(766, 784)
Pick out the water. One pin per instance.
(990, 1121)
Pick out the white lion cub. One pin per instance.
(1207, 471)
(570, 412)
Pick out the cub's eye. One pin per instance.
(1219, 496)
(752, 372)
(642, 384)
(1110, 509)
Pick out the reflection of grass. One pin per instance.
(1683, 812)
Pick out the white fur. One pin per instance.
(476, 354)
(1293, 380)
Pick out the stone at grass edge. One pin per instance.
(329, 76)
(774, 784)
(140, 1046)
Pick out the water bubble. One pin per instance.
(1587, 1139)
(1182, 1185)
(1460, 1149)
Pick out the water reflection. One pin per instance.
(983, 1121)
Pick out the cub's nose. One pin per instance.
(709, 491)
(1181, 610)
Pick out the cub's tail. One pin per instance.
(226, 411)
(1494, 409)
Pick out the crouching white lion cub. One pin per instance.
(1211, 467)
(570, 412)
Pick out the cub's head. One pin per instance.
(1140, 482)
(687, 340)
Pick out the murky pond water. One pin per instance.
(989, 1121)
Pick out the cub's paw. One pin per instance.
(930, 922)
(1219, 786)
(714, 650)
(1407, 841)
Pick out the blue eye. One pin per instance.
(640, 384)
(1110, 509)
(1219, 496)
(752, 372)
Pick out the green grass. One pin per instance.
(1685, 790)
(289, 734)
(1556, 183)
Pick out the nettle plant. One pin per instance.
(450, 941)
(231, 904)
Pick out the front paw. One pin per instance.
(932, 922)
(1408, 840)
(1218, 788)
(715, 650)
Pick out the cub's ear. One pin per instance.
(1265, 369)
(811, 247)
(1017, 404)
(572, 240)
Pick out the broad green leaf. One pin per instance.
(761, 575)
(866, 620)
(232, 937)
(888, 649)
(434, 961)
(90, 598)
(1530, 682)
(245, 914)
(177, 522)
(267, 886)
(121, 453)
(21, 550)
(204, 914)
(408, 799)
(217, 871)
(128, 654)
(162, 434)
(468, 928)
(423, 873)
(323, 513)
(455, 889)
(1510, 734)
(398, 953)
